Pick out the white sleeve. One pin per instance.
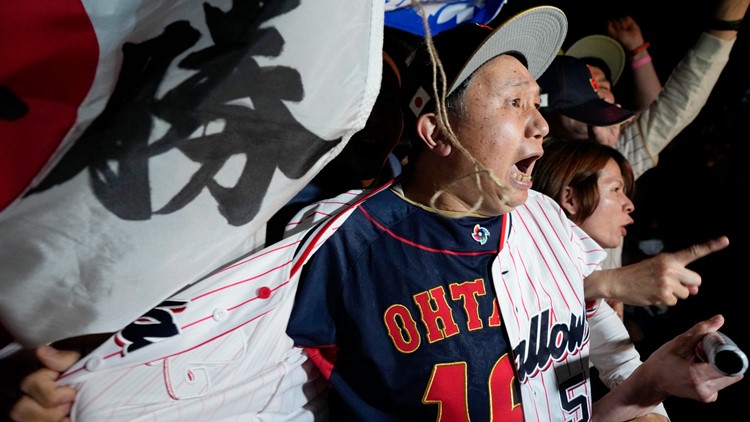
(612, 352)
(218, 349)
(679, 102)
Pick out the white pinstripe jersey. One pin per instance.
(218, 350)
(540, 289)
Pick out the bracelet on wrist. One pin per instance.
(722, 25)
(640, 49)
(640, 62)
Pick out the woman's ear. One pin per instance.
(429, 130)
(569, 202)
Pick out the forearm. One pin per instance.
(615, 357)
(612, 352)
(622, 284)
(678, 103)
(602, 284)
(648, 282)
(690, 83)
(636, 396)
(645, 79)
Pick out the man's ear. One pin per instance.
(569, 202)
(429, 130)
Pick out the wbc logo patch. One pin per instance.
(480, 234)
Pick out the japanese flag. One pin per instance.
(145, 144)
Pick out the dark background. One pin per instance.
(699, 189)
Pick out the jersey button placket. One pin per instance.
(94, 364)
(219, 314)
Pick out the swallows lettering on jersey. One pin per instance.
(436, 315)
(157, 324)
(549, 343)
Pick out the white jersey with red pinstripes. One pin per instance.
(539, 283)
(218, 350)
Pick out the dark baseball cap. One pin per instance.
(568, 87)
(534, 35)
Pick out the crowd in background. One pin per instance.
(692, 195)
(703, 165)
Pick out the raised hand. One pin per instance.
(626, 31)
(43, 398)
(661, 279)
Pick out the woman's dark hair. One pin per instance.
(577, 164)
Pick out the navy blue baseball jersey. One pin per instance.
(400, 300)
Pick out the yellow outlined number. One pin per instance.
(448, 389)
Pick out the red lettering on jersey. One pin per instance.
(441, 311)
(494, 320)
(402, 329)
(468, 292)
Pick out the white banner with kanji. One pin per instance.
(145, 144)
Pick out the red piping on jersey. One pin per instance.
(314, 241)
(443, 251)
(242, 281)
(181, 351)
(254, 257)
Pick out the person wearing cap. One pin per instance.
(455, 293)
(573, 114)
(606, 66)
(677, 104)
(573, 105)
(569, 99)
(607, 57)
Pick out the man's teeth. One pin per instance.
(521, 177)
